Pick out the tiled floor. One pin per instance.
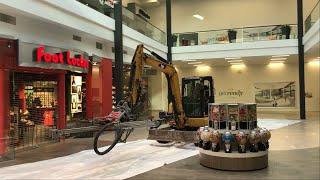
(294, 154)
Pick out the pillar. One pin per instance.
(118, 50)
(61, 123)
(4, 110)
(89, 103)
(106, 77)
(301, 60)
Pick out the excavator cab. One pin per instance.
(197, 92)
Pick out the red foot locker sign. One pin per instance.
(47, 57)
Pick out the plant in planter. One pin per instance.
(232, 35)
(286, 30)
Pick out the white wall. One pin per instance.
(227, 78)
(39, 32)
(158, 92)
(225, 14)
(312, 77)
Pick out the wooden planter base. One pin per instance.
(234, 161)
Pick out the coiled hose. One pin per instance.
(118, 133)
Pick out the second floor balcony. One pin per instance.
(236, 35)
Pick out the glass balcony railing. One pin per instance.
(313, 17)
(130, 19)
(139, 24)
(98, 6)
(237, 35)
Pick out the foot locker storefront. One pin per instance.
(42, 88)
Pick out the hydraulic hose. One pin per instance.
(117, 137)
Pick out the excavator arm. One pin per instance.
(155, 61)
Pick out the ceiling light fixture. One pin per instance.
(190, 60)
(199, 65)
(277, 62)
(198, 17)
(238, 66)
(195, 63)
(231, 58)
(278, 56)
(278, 59)
(315, 62)
(203, 68)
(152, 1)
(231, 61)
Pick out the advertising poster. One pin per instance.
(275, 94)
(76, 94)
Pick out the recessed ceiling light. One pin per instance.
(276, 64)
(198, 17)
(194, 62)
(203, 68)
(238, 63)
(231, 61)
(231, 58)
(278, 59)
(190, 60)
(152, 1)
(238, 66)
(277, 56)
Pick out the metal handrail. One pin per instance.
(246, 27)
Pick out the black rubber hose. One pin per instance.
(116, 139)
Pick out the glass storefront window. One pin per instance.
(33, 108)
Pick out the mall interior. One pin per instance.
(175, 89)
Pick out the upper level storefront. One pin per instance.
(201, 29)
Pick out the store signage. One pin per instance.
(231, 93)
(55, 58)
(60, 58)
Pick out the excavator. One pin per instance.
(187, 109)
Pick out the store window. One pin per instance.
(33, 108)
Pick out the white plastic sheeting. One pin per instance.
(124, 161)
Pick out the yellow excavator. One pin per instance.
(187, 109)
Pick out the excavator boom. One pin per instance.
(139, 60)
